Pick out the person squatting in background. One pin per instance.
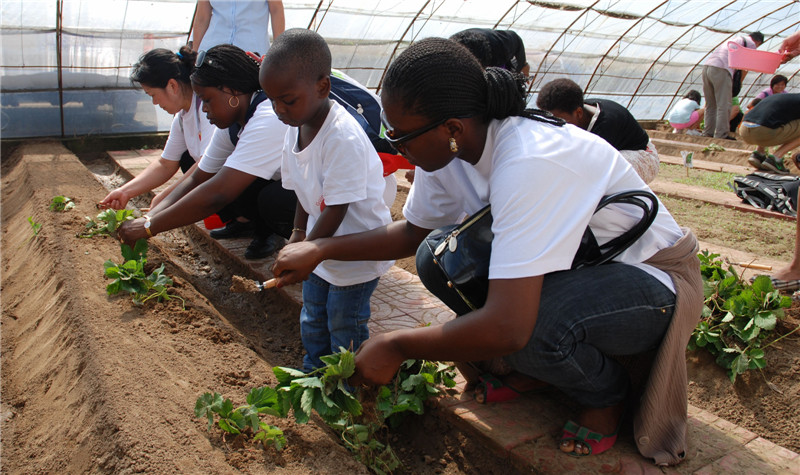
(604, 118)
(686, 114)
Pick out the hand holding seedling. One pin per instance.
(377, 361)
(132, 231)
(117, 199)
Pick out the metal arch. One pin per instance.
(680, 87)
(750, 88)
(59, 59)
(669, 48)
(500, 20)
(397, 45)
(637, 22)
(563, 33)
(317, 11)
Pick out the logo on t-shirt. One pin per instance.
(321, 203)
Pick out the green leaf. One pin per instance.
(286, 375)
(765, 320)
(228, 427)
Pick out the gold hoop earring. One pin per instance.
(453, 145)
(234, 106)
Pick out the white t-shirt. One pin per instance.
(258, 152)
(339, 166)
(544, 183)
(682, 111)
(190, 131)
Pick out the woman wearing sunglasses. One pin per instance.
(164, 76)
(239, 174)
(468, 133)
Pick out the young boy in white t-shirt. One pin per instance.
(330, 163)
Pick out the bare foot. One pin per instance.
(601, 420)
(787, 273)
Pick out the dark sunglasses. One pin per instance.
(398, 141)
(201, 57)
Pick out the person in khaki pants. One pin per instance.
(774, 121)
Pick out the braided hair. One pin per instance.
(156, 67)
(439, 78)
(227, 66)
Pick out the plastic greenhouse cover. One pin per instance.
(644, 54)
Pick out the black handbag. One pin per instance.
(460, 253)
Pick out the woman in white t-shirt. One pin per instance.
(164, 76)
(473, 143)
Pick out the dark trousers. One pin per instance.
(267, 204)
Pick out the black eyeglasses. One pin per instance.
(397, 142)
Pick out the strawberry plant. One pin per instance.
(36, 227)
(326, 392)
(415, 383)
(130, 276)
(739, 319)
(244, 418)
(106, 222)
(61, 203)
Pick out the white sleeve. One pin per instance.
(176, 142)
(217, 152)
(260, 146)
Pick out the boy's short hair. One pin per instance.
(560, 94)
(302, 49)
(757, 36)
(694, 95)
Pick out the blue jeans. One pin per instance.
(585, 316)
(333, 316)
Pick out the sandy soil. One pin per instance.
(92, 383)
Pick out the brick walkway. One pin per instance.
(527, 430)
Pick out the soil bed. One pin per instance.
(93, 383)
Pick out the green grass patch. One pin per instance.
(704, 178)
(750, 232)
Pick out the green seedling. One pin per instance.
(712, 147)
(326, 392)
(106, 222)
(35, 228)
(739, 319)
(61, 203)
(130, 276)
(244, 418)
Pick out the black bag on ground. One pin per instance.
(768, 191)
(458, 255)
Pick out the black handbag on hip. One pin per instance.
(461, 253)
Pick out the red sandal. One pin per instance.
(597, 443)
(490, 389)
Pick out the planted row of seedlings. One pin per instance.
(737, 326)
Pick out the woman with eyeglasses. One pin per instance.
(164, 76)
(239, 174)
(474, 144)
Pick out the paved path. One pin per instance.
(527, 430)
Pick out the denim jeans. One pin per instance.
(333, 316)
(585, 316)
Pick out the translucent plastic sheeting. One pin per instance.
(644, 54)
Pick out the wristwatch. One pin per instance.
(147, 225)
